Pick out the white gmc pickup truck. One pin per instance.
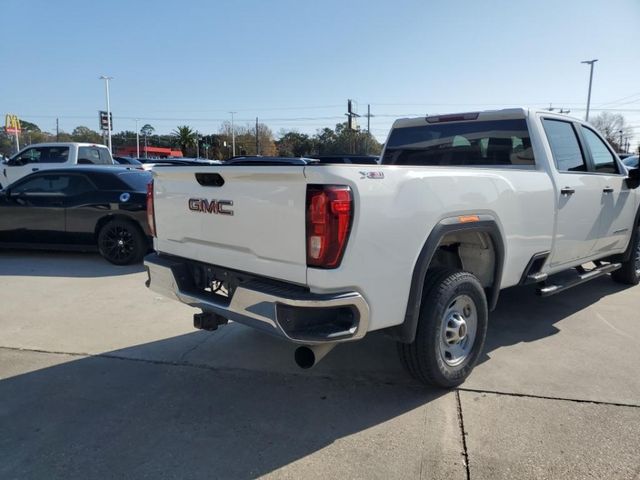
(420, 246)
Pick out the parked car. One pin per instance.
(149, 163)
(43, 156)
(79, 208)
(419, 247)
(632, 161)
(128, 161)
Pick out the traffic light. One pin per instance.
(106, 121)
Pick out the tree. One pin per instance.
(85, 134)
(184, 137)
(29, 127)
(610, 126)
(294, 144)
(246, 139)
(147, 130)
(343, 140)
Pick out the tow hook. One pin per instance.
(208, 321)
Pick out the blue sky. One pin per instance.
(295, 63)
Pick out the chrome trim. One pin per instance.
(253, 306)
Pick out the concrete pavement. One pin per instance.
(101, 378)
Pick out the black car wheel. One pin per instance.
(121, 242)
(629, 273)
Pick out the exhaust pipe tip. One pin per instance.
(308, 356)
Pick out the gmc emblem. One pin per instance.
(218, 207)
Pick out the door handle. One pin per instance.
(567, 191)
(35, 169)
(607, 190)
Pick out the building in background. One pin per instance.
(151, 152)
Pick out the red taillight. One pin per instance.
(151, 218)
(329, 213)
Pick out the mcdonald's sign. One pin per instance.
(11, 123)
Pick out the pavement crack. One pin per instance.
(190, 350)
(358, 379)
(463, 434)
(545, 397)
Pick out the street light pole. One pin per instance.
(590, 62)
(137, 140)
(233, 136)
(106, 88)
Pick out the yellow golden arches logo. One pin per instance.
(11, 123)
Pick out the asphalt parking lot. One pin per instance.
(101, 378)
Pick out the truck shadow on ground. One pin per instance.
(101, 417)
(60, 264)
(211, 409)
(522, 316)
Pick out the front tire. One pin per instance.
(629, 273)
(451, 330)
(121, 242)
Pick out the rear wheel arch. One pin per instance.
(489, 228)
(102, 221)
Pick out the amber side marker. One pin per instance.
(468, 218)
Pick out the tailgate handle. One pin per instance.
(210, 179)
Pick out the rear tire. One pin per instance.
(629, 273)
(121, 242)
(451, 329)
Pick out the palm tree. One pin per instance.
(184, 137)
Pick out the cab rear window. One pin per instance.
(495, 143)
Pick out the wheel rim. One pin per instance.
(458, 330)
(118, 243)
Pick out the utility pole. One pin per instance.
(197, 145)
(57, 130)
(620, 144)
(590, 62)
(137, 140)
(233, 135)
(257, 139)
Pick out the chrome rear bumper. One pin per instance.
(302, 317)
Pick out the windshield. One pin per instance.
(631, 161)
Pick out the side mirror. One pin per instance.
(633, 178)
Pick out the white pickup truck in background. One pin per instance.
(420, 246)
(42, 156)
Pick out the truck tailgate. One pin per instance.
(265, 235)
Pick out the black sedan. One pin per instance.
(80, 208)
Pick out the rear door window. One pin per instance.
(49, 184)
(603, 159)
(494, 143)
(565, 147)
(93, 156)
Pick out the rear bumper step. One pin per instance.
(302, 317)
(551, 289)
